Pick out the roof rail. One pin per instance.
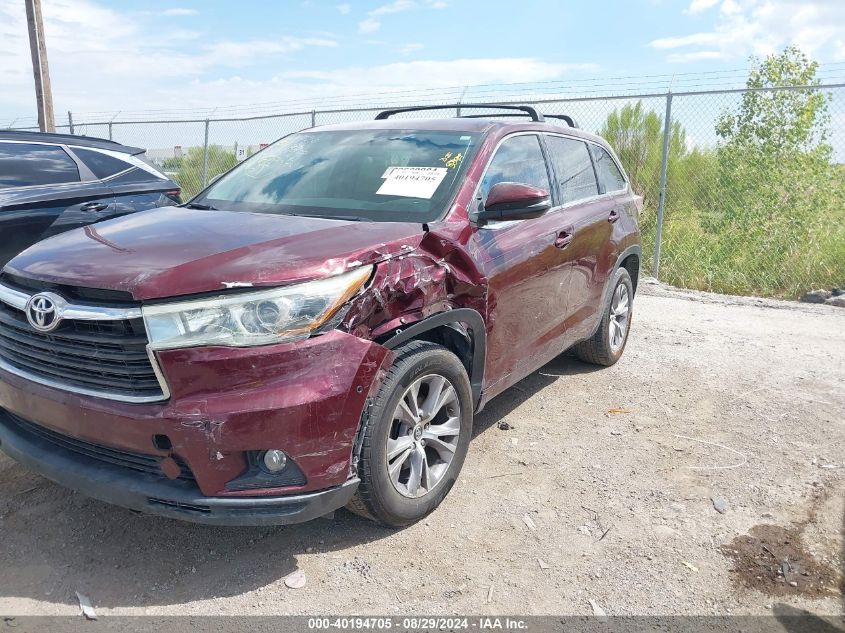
(532, 112)
(68, 139)
(563, 117)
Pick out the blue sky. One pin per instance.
(109, 56)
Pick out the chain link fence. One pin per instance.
(744, 189)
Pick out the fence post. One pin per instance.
(110, 134)
(314, 118)
(205, 157)
(70, 120)
(661, 200)
(460, 101)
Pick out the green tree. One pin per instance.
(780, 201)
(636, 134)
(190, 166)
(171, 164)
(775, 124)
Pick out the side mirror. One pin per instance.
(515, 201)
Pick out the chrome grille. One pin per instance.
(105, 357)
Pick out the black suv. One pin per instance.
(50, 183)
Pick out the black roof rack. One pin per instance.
(532, 112)
(563, 117)
(68, 139)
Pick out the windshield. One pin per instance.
(379, 175)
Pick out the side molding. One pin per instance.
(473, 321)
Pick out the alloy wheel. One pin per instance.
(620, 313)
(423, 436)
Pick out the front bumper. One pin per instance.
(226, 404)
(148, 493)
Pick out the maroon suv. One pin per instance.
(317, 328)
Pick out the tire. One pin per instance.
(421, 373)
(603, 348)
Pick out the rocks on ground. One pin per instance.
(834, 297)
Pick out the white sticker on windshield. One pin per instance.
(412, 182)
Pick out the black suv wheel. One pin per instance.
(416, 437)
(605, 347)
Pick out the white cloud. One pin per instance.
(697, 6)
(227, 53)
(370, 25)
(344, 8)
(129, 57)
(397, 6)
(761, 27)
(695, 56)
(410, 48)
(455, 72)
(729, 7)
(696, 39)
(138, 63)
(179, 11)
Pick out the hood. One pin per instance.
(172, 251)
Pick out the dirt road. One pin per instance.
(737, 400)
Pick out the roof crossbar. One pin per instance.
(563, 117)
(532, 112)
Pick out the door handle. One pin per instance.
(563, 239)
(614, 215)
(94, 206)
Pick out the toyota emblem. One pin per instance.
(42, 311)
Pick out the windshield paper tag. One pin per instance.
(412, 182)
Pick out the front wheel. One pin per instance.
(416, 436)
(605, 347)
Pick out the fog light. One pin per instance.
(275, 461)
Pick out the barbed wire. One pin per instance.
(618, 85)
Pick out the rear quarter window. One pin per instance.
(573, 168)
(609, 175)
(101, 165)
(27, 164)
(136, 175)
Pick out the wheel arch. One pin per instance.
(630, 258)
(462, 331)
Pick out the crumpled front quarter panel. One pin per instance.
(305, 398)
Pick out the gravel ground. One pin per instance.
(601, 490)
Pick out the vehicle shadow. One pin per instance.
(54, 542)
(505, 403)
(802, 621)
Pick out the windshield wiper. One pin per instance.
(202, 207)
(351, 218)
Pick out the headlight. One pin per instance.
(254, 318)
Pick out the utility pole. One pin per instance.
(40, 70)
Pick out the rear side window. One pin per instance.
(136, 175)
(573, 168)
(518, 159)
(101, 165)
(609, 174)
(25, 164)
